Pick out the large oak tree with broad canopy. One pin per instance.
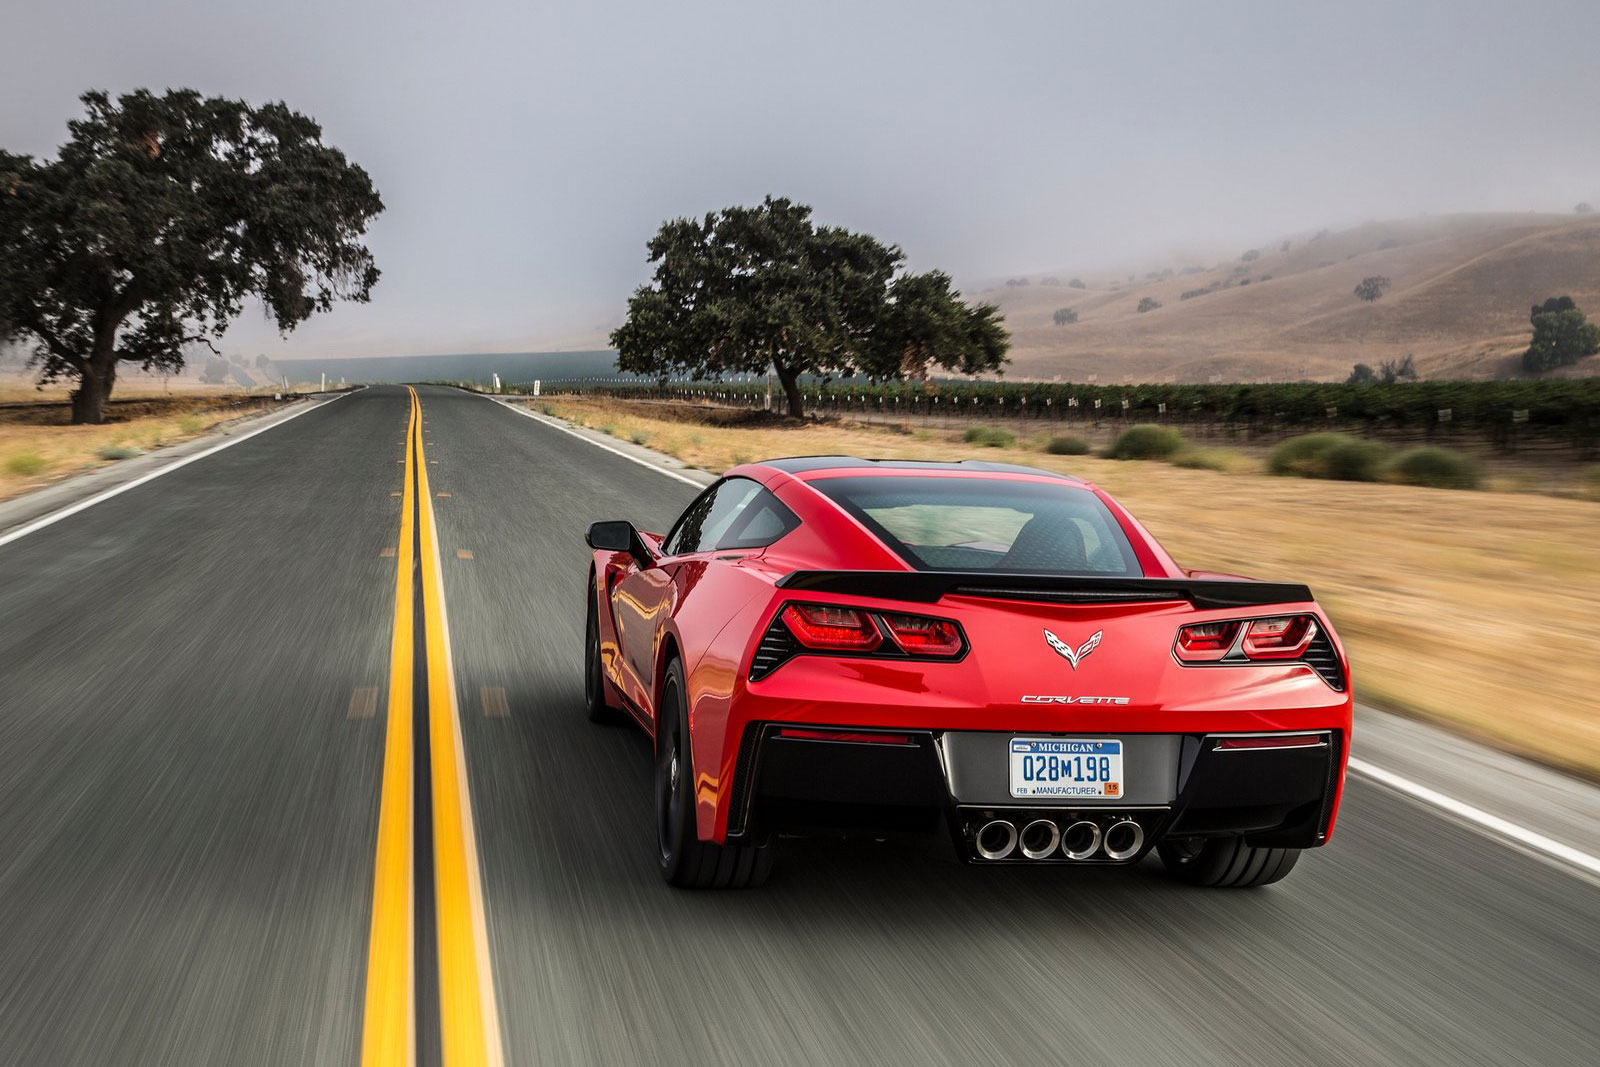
(749, 288)
(158, 218)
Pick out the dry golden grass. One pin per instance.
(36, 447)
(21, 387)
(1477, 610)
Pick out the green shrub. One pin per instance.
(1067, 445)
(1438, 468)
(1206, 459)
(191, 424)
(639, 437)
(1302, 455)
(1356, 460)
(26, 464)
(1329, 455)
(118, 452)
(989, 437)
(1147, 441)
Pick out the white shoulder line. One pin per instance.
(89, 502)
(557, 425)
(1519, 835)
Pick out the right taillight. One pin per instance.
(828, 628)
(1280, 637)
(1243, 640)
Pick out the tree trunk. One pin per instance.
(790, 381)
(94, 389)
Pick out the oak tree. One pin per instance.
(158, 218)
(748, 288)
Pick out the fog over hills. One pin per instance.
(1461, 288)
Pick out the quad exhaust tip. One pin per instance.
(1123, 839)
(996, 839)
(1039, 838)
(1081, 840)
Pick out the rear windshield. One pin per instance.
(974, 524)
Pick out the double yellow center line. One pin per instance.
(468, 1021)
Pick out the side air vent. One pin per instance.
(1321, 657)
(777, 645)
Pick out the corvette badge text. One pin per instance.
(1072, 700)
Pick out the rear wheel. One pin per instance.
(1225, 862)
(594, 685)
(686, 861)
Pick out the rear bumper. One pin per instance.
(1178, 785)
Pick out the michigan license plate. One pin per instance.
(1066, 767)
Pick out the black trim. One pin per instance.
(1321, 657)
(743, 777)
(928, 587)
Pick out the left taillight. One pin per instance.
(830, 628)
(842, 629)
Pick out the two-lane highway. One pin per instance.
(197, 680)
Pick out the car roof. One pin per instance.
(803, 465)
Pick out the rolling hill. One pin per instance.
(1461, 289)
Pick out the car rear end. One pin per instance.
(1044, 717)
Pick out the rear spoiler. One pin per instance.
(927, 587)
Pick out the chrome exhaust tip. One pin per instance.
(995, 839)
(1039, 838)
(1123, 839)
(1080, 840)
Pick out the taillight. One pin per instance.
(828, 628)
(1203, 642)
(1281, 637)
(922, 636)
(1277, 637)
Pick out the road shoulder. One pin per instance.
(73, 491)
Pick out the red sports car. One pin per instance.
(829, 643)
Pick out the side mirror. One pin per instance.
(619, 536)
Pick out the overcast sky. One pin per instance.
(527, 150)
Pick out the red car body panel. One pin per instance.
(712, 608)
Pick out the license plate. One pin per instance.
(1066, 767)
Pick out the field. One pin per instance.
(38, 445)
(1478, 610)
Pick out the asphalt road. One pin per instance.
(192, 702)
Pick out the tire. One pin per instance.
(686, 861)
(594, 685)
(1225, 862)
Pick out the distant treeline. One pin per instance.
(1568, 409)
